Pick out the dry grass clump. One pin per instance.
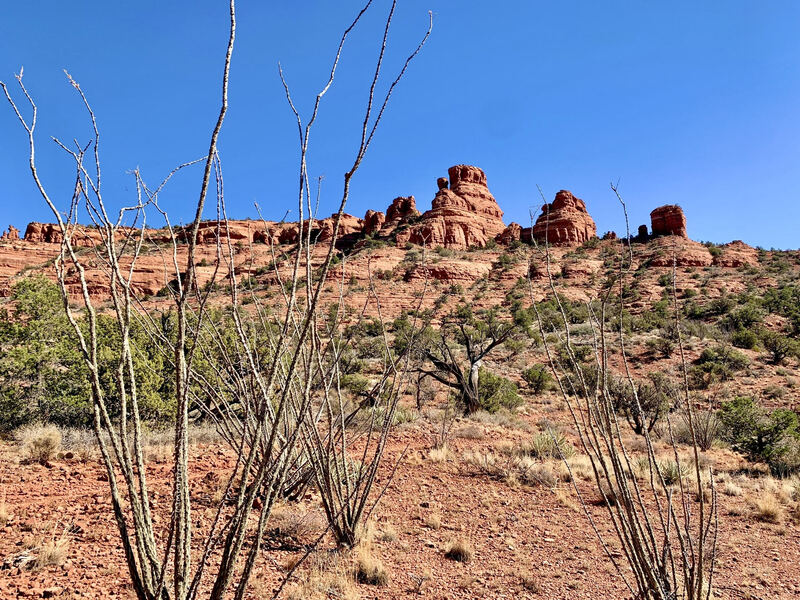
(159, 444)
(731, 489)
(50, 551)
(433, 521)
(581, 467)
(368, 569)
(566, 500)
(534, 473)
(459, 550)
(530, 582)
(769, 509)
(40, 443)
(387, 533)
(470, 432)
(81, 443)
(295, 522)
(421, 580)
(502, 418)
(515, 469)
(327, 576)
(439, 454)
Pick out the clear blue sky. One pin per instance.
(696, 103)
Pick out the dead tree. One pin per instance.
(668, 544)
(265, 372)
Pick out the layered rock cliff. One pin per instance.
(463, 213)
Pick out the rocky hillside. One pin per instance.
(464, 218)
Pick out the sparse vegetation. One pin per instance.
(459, 549)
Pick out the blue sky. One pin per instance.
(695, 103)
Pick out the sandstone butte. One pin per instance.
(668, 220)
(464, 214)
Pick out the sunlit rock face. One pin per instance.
(565, 221)
(463, 213)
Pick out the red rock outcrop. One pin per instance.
(736, 254)
(50, 233)
(348, 225)
(373, 221)
(11, 234)
(47, 233)
(660, 252)
(565, 221)
(668, 220)
(462, 214)
(512, 233)
(401, 209)
(610, 235)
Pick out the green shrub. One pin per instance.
(538, 377)
(780, 346)
(759, 435)
(644, 403)
(716, 364)
(721, 305)
(744, 317)
(661, 345)
(745, 338)
(496, 392)
(548, 444)
(355, 383)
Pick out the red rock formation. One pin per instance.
(668, 220)
(610, 235)
(373, 221)
(237, 231)
(348, 225)
(43, 232)
(11, 234)
(401, 209)
(736, 254)
(687, 253)
(512, 233)
(565, 221)
(463, 215)
(50, 233)
(642, 234)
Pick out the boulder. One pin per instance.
(463, 213)
(565, 221)
(668, 220)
